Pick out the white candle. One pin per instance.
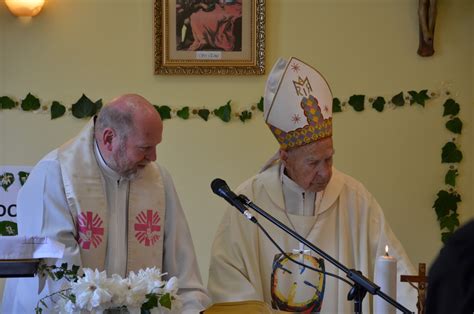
(386, 278)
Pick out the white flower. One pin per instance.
(64, 306)
(70, 307)
(176, 308)
(172, 286)
(136, 291)
(7, 178)
(153, 278)
(94, 292)
(91, 290)
(118, 288)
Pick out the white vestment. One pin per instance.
(348, 224)
(44, 210)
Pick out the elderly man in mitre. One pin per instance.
(301, 188)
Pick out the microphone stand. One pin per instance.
(362, 284)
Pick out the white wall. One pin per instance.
(105, 48)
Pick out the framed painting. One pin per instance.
(214, 37)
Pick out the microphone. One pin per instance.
(221, 188)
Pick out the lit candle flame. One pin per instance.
(386, 250)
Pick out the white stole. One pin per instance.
(86, 197)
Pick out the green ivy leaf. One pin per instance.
(450, 177)
(7, 103)
(204, 114)
(59, 274)
(449, 222)
(183, 113)
(151, 302)
(8, 228)
(451, 107)
(245, 115)
(445, 236)
(98, 106)
(450, 153)
(164, 111)
(419, 98)
(75, 269)
(260, 104)
(336, 105)
(224, 112)
(379, 104)
(357, 102)
(454, 125)
(30, 103)
(446, 202)
(85, 107)
(398, 99)
(165, 300)
(23, 176)
(57, 110)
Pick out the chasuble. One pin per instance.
(348, 225)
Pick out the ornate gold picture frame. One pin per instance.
(210, 37)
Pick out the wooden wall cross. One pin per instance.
(422, 280)
(427, 20)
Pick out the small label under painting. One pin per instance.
(208, 55)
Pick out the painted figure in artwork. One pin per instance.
(209, 25)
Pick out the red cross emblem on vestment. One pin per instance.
(90, 230)
(147, 227)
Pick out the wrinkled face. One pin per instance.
(134, 152)
(310, 166)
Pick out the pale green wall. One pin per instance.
(105, 48)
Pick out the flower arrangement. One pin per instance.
(94, 292)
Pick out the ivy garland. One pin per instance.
(446, 203)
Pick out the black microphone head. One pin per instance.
(217, 184)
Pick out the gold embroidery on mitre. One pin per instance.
(302, 87)
(316, 129)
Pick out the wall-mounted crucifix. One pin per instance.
(427, 21)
